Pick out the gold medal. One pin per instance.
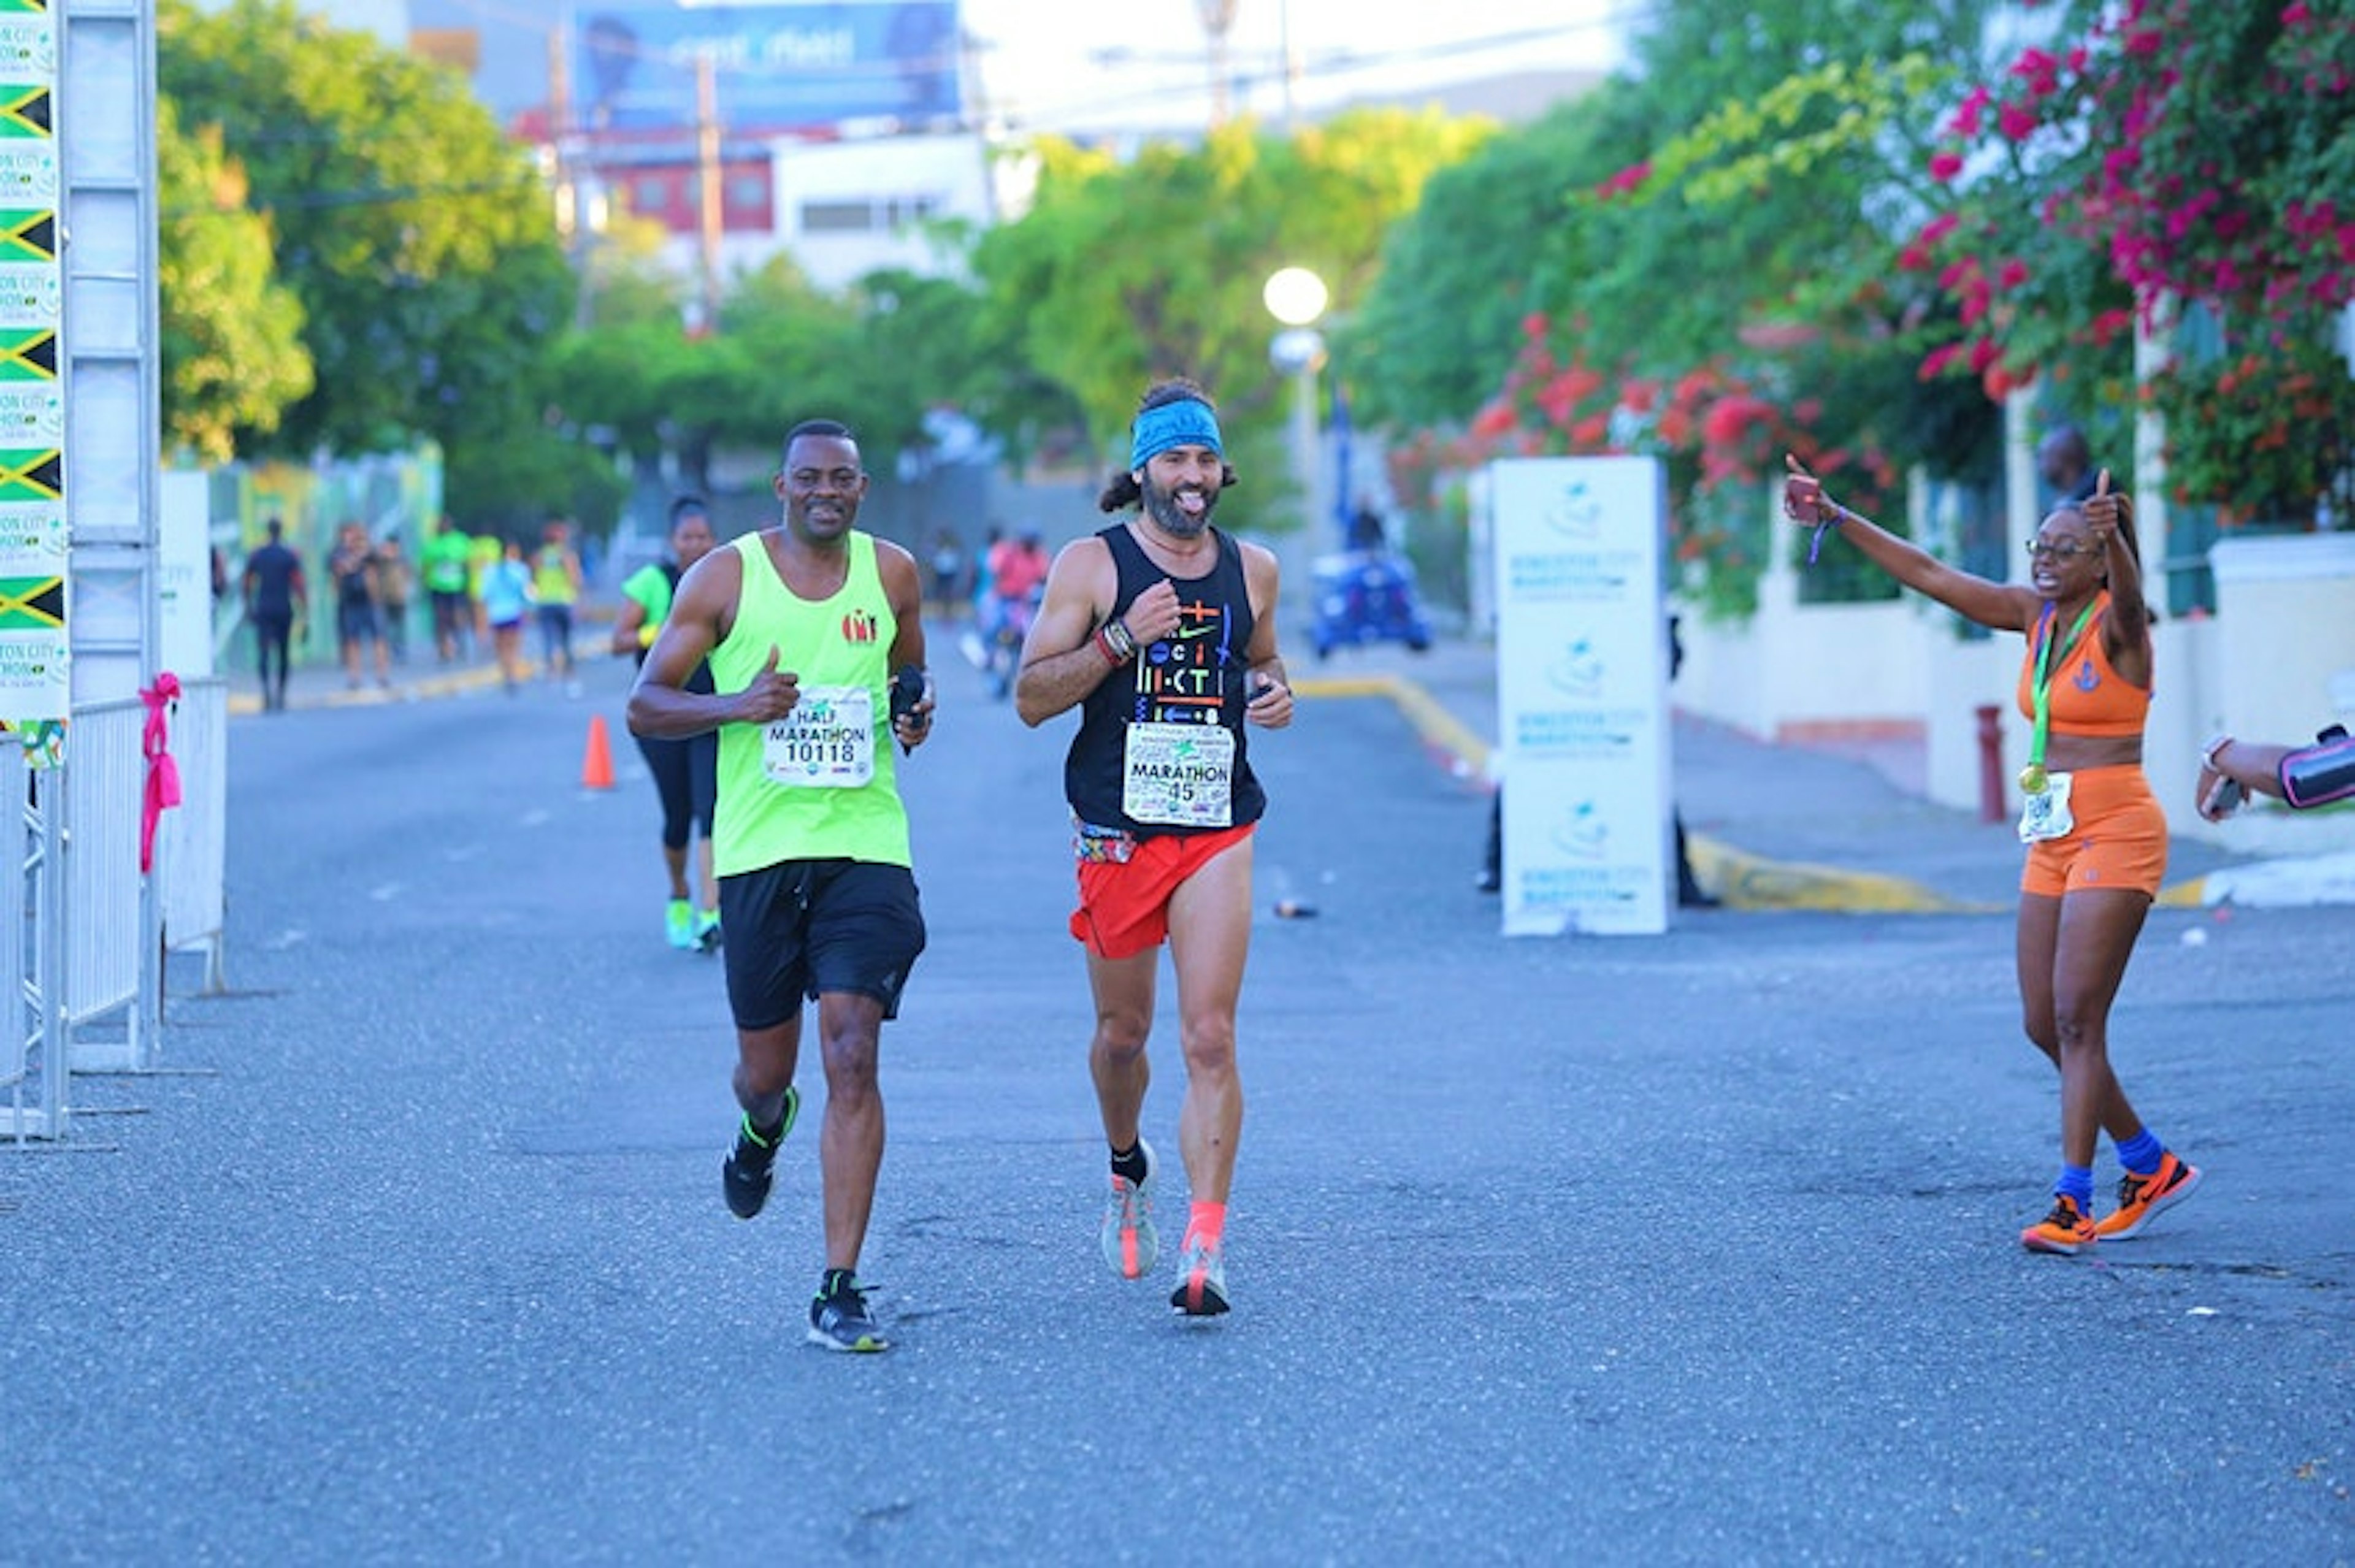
(2032, 779)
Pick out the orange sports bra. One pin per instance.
(2088, 696)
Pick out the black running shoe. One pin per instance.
(745, 1174)
(839, 1319)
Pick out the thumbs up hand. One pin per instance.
(772, 693)
(2104, 509)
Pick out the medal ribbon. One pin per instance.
(2032, 777)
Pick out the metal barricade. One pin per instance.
(105, 779)
(192, 841)
(33, 1061)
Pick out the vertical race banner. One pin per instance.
(36, 692)
(1581, 694)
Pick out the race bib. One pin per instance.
(827, 741)
(2046, 815)
(1179, 776)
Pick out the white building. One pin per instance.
(844, 209)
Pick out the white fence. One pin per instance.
(192, 843)
(104, 778)
(94, 929)
(32, 1065)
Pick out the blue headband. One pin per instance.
(1183, 423)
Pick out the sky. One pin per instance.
(1066, 65)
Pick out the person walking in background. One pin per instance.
(392, 582)
(2096, 837)
(506, 600)
(2065, 463)
(685, 771)
(1160, 630)
(947, 565)
(555, 589)
(802, 627)
(483, 552)
(352, 570)
(276, 600)
(445, 571)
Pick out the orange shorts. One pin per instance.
(1125, 904)
(2119, 839)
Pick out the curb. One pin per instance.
(1739, 880)
(242, 704)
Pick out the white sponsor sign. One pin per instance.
(1581, 694)
(183, 577)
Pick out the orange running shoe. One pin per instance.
(2142, 1199)
(2066, 1230)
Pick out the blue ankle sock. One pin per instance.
(2076, 1181)
(2140, 1152)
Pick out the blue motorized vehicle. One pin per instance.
(1367, 596)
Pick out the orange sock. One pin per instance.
(1206, 1222)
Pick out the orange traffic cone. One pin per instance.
(597, 767)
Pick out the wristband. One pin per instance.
(1103, 645)
(646, 636)
(2211, 751)
(1116, 642)
(1829, 514)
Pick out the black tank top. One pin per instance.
(1198, 676)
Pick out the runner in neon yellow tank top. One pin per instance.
(555, 590)
(685, 773)
(803, 627)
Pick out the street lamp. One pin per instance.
(1297, 297)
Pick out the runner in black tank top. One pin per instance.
(1161, 632)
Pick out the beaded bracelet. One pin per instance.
(1114, 641)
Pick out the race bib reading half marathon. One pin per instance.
(1179, 776)
(827, 741)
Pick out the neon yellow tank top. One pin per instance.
(820, 784)
(549, 580)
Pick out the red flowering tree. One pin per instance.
(1721, 432)
(2190, 166)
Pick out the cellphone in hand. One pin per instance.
(907, 691)
(2224, 799)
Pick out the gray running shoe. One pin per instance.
(1201, 1280)
(1130, 1244)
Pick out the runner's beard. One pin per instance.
(1162, 507)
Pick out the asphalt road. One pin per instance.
(1689, 1249)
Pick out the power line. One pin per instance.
(1342, 65)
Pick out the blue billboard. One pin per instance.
(774, 68)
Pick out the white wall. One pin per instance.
(2276, 662)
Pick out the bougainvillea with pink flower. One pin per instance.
(2189, 166)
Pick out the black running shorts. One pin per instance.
(800, 928)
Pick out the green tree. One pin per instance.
(231, 333)
(1697, 261)
(2154, 156)
(1123, 272)
(418, 237)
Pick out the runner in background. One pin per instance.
(685, 770)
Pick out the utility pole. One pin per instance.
(571, 220)
(1291, 64)
(1217, 21)
(707, 184)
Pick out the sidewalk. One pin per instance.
(1776, 827)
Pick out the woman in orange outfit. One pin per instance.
(2096, 837)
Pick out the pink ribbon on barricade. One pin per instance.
(163, 773)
